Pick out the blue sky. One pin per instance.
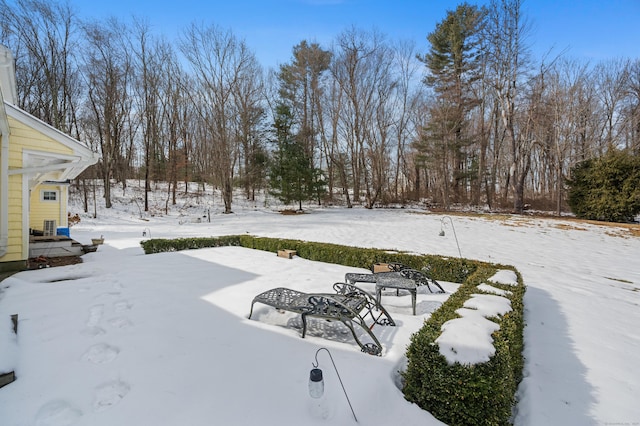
(591, 30)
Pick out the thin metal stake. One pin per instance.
(454, 231)
(315, 365)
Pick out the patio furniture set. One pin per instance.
(349, 304)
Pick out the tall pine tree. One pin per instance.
(453, 64)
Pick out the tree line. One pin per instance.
(470, 118)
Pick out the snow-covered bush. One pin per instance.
(469, 393)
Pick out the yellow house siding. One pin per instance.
(25, 137)
(15, 249)
(15, 154)
(47, 210)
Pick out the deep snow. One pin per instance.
(130, 339)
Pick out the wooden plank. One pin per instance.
(57, 248)
(7, 378)
(288, 254)
(380, 267)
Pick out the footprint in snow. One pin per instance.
(108, 294)
(118, 285)
(93, 331)
(121, 305)
(57, 413)
(120, 322)
(101, 353)
(109, 394)
(95, 315)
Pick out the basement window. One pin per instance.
(49, 195)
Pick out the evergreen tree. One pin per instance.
(453, 64)
(606, 188)
(292, 176)
(302, 88)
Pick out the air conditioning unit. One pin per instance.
(49, 228)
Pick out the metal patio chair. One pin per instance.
(349, 304)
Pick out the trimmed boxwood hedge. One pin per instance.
(480, 394)
(160, 245)
(455, 394)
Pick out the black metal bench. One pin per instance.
(349, 304)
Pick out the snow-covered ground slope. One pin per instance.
(129, 339)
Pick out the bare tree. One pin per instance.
(177, 119)
(250, 129)
(330, 135)
(633, 109)
(612, 88)
(362, 70)
(408, 95)
(567, 80)
(147, 61)
(108, 72)
(220, 62)
(42, 36)
(507, 30)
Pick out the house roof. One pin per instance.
(43, 166)
(39, 165)
(80, 150)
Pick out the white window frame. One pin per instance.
(49, 191)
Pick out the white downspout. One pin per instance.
(4, 179)
(8, 91)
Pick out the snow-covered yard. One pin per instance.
(130, 339)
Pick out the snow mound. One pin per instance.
(491, 289)
(467, 340)
(504, 276)
(488, 305)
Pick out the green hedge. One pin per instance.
(442, 268)
(481, 394)
(455, 394)
(160, 245)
